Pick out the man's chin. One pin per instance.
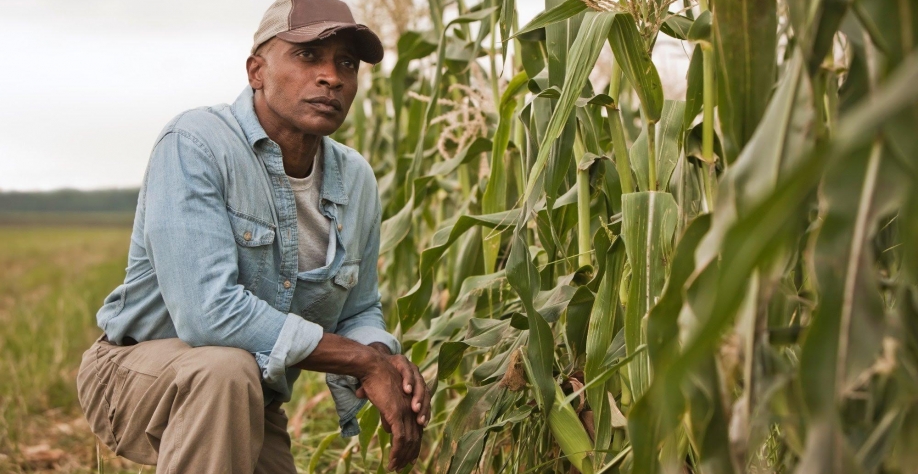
(321, 126)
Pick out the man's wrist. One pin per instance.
(381, 347)
(370, 361)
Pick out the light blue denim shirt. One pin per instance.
(213, 255)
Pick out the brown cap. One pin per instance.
(302, 21)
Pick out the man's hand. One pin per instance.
(383, 384)
(413, 383)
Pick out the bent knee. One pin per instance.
(225, 367)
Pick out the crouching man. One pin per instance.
(253, 257)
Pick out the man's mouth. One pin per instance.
(327, 104)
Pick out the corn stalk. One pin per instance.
(606, 280)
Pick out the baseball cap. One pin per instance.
(301, 21)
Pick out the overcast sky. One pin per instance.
(87, 85)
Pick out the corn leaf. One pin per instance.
(669, 135)
(559, 12)
(599, 339)
(849, 325)
(412, 305)
(745, 39)
(524, 278)
(586, 48)
(495, 194)
(750, 241)
(694, 95)
(648, 223)
(634, 59)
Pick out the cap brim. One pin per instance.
(367, 45)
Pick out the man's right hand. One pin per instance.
(382, 385)
(381, 382)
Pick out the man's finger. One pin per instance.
(405, 368)
(398, 446)
(421, 401)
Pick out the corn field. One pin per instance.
(600, 279)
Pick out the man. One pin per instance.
(253, 256)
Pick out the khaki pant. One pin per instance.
(197, 410)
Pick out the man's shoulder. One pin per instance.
(204, 124)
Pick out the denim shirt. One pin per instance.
(213, 255)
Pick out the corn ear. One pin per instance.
(569, 433)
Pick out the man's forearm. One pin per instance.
(339, 355)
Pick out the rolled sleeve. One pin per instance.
(297, 339)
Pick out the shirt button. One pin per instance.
(247, 236)
(340, 227)
(287, 284)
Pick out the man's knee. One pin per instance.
(224, 368)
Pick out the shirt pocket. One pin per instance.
(348, 275)
(321, 302)
(253, 245)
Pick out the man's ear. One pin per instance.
(255, 66)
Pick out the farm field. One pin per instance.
(53, 279)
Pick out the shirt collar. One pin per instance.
(332, 186)
(244, 111)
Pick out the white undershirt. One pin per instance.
(312, 227)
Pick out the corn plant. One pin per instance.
(602, 279)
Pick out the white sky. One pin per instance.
(87, 85)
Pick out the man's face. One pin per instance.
(307, 88)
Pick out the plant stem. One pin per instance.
(707, 124)
(651, 128)
(619, 147)
(615, 81)
(583, 205)
(493, 76)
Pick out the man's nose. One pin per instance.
(328, 75)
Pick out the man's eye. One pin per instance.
(306, 54)
(349, 63)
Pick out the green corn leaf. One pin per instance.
(745, 39)
(467, 154)
(369, 421)
(634, 59)
(524, 278)
(751, 240)
(599, 338)
(468, 451)
(412, 305)
(677, 26)
(777, 145)
(669, 133)
(708, 418)
(495, 194)
(701, 28)
(320, 450)
(694, 95)
(449, 358)
(648, 223)
(817, 27)
(849, 324)
(560, 12)
(396, 228)
(586, 48)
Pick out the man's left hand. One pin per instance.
(413, 383)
